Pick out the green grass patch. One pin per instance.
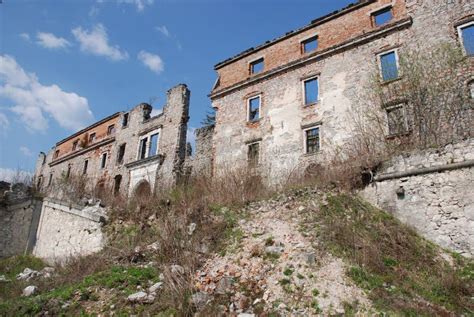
(12, 266)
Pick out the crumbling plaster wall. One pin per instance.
(67, 230)
(201, 162)
(343, 79)
(439, 205)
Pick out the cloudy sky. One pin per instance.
(67, 63)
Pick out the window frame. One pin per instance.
(259, 96)
(461, 39)
(383, 9)
(111, 129)
(303, 81)
(389, 108)
(75, 144)
(92, 137)
(397, 62)
(250, 163)
(125, 120)
(260, 59)
(147, 137)
(305, 139)
(307, 39)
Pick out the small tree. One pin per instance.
(210, 118)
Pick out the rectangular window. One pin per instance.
(312, 140)
(254, 109)
(103, 161)
(382, 17)
(50, 180)
(142, 149)
(121, 153)
(68, 172)
(466, 34)
(311, 91)
(389, 65)
(56, 154)
(310, 44)
(257, 66)
(253, 154)
(397, 121)
(153, 145)
(91, 137)
(84, 168)
(74, 145)
(111, 129)
(125, 120)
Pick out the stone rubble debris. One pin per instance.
(141, 297)
(29, 291)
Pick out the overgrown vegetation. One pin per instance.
(403, 273)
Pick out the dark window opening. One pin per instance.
(257, 66)
(382, 17)
(389, 66)
(397, 122)
(103, 161)
(253, 154)
(121, 153)
(56, 154)
(40, 182)
(117, 182)
(311, 91)
(467, 34)
(84, 168)
(75, 144)
(68, 172)
(142, 150)
(125, 120)
(50, 180)
(111, 129)
(153, 145)
(312, 140)
(254, 109)
(310, 44)
(91, 137)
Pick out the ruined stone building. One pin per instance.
(287, 102)
(127, 152)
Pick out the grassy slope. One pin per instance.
(402, 273)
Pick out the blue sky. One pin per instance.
(67, 63)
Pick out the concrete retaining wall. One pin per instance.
(433, 192)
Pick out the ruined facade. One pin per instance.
(127, 152)
(288, 102)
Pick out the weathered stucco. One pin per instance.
(438, 204)
(66, 231)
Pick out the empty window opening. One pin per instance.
(75, 144)
(253, 154)
(125, 120)
(103, 161)
(254, 109)
(153, 145)
(389, 66)
(312, 140)
(50, 180)
(84, 168)
(40, 182)
(56, 154)
(91, 137)
(311, 91)
(117, 182)
(397, 121)
(382, 17)
(121, 153)
(466, 34)
(68, 172)
(257, 66)
(310, 44)
(142, 150)
(111, 129)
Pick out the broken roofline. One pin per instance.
(351, 7)
(88, 128)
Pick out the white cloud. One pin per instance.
(140, 4)
(163, 30)
(4, 123)
(96, 42)
(152, 61)
(94, 11)
(25, 36)
(35, 102)
(15, 175)
(49, 40)
(26, 151)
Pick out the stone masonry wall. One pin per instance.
(202, 160)
(66, 231)
(439, 204)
